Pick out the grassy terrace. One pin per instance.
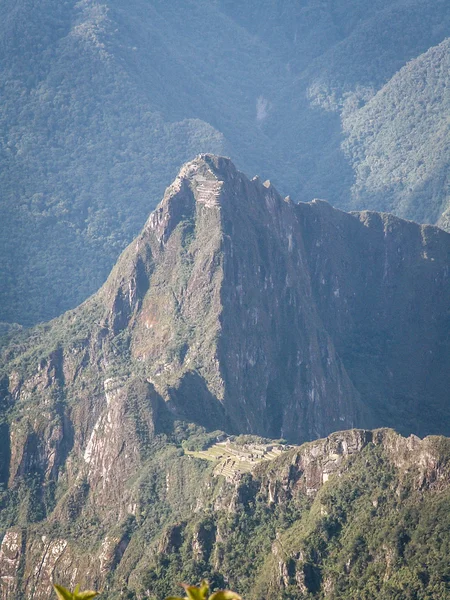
(232, 458)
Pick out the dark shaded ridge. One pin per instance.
(381, 286)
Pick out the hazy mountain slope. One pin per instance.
(378, 38)
(234, 309)
(399, 141)
(101, 104)
(338, 56)
(81, 144)
(345, 43)
(246, 312)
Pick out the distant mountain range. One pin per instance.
(102, 103)
(399, 142)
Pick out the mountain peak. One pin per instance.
(213, 182)
(199, 181)
(205, 176)
(250, 313)
(229, 278)
(221, 166)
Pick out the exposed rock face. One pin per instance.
(30, 561)
(234, 309)
(10, 554)
(246, 312)
(282, 319)
(381, 286)
(419, 468)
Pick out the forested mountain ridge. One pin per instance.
(101, 105)
(236, 310)
(399, 141)
(359, 513)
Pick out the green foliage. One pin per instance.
(201, 441)
(202, 593)
(64, 594)
(374, 531)
(365, 536)
(246, 536)
(398, 141)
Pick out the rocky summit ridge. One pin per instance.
(286, 319)
(244, 311)
(238, 310)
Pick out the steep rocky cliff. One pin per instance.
(234, 309)
(303, 525)
(246, 312)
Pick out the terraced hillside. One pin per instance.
(233, 459)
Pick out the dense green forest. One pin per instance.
(367, 534)
(399, 141)
(102, 103)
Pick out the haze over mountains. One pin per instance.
(234, 317)
(101, 104)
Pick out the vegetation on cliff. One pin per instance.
(235, 310)
(399, 141)
(360, 514)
